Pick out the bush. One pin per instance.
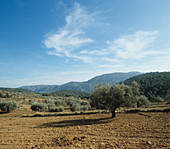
(48, 101)
(60, 109)
(30, 101)
(142, 101)
(51, 107)
(158, 100)
(75, 107)
(60, 102)
(5, 96)
(8, 105)
(84, 108)
(85, 103)
(41, 107)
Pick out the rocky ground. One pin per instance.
(144, 130)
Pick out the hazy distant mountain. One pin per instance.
(86, 86)
(19, 90)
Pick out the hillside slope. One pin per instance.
(154, 84)
(86, 86)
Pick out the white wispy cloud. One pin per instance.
(65, 42)
(71, 36)
(73, 40)
(134, 46)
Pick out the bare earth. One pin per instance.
(146, 130)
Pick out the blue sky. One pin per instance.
(57, 41)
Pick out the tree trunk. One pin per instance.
(8, 110)
(114, 113)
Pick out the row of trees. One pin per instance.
(50, 106)
(120, 95)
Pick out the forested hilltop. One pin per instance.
(153, 85)
(19, 90)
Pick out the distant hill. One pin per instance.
(154, 84)
(67, 93)
(19, 90)
(86, 86)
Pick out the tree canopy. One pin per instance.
(152, 85)
(111, 98)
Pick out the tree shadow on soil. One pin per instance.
(79, 122)
(3, 112)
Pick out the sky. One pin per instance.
(56, 41)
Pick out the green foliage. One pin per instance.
(6, 95)
(48, 101)
(60, 102)
(46, 107)
(41, 107)
(167, 96)
(69, 93)
(111, 98)
(20, 90)
(60, 109)
(142, 101)
(30, 101)
(84, 107)
(159, 99)
(85, 103)
(152, 85)
(51, 107)
(75, 107)
(8, 105)
(72, 101)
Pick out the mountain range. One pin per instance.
(86, 86)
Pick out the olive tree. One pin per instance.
(111, 98)
(8, 105)
(142, 101)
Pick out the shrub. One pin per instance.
(30, 101)
(41, 107)
(59, 102)
(60, 109)
(48, 101)
(85, 103)
(142, 101)
(5, 96)
(44, 107)
(51, 107)
(75, 107)
(73, 101)
(84, 108)
(8, 105)
(158, 100)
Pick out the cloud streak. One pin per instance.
(72, 36)
(134, 46)
(73, 41)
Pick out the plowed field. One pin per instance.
(146, 130)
